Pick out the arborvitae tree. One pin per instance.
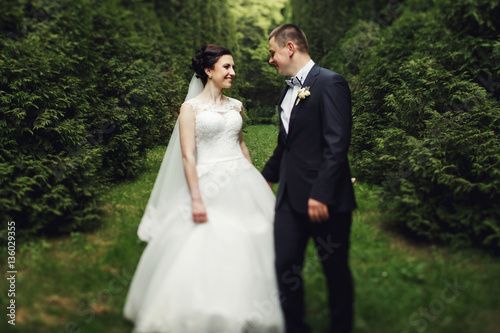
(326, 22)
(426, 114)
(255, 19)
(86, 87)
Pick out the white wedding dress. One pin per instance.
(217, 276)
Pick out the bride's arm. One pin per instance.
(243, 146)
(187, 127)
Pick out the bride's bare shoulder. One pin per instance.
(187, 107)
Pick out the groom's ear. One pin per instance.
(290, 48)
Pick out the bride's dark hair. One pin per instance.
(206, 57)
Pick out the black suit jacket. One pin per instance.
(311, 160)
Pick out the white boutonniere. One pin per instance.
(302, 94)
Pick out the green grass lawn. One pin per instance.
(79, 283)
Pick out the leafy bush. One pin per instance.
(427, 119)
(261, 111)
(275, 119)
(85, 88)
(255, 20)
(325, 23)
(424, 78)
(262, 120)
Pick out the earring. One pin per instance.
(209, 76)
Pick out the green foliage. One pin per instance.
(275, 118)
(190, 24)
(86, 87)
(326, 22)
(262, 120)
(427, 118)
(255, 20)
(262, 111)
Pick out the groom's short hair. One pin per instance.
(290, 32)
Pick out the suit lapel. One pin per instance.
(309, 82)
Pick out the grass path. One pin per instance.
(79, 283)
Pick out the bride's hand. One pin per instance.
(199, 212)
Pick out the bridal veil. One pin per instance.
(171, 180)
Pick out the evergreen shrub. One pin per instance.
(427, 117)
(82, 96)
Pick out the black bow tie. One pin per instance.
(294, 82)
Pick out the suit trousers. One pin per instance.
(292, 231)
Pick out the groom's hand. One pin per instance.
(318, 211)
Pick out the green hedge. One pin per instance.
(427, 118)
(425, 81)
(261, 120)
(261, 115)
(85, 88)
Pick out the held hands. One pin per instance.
(199, 212)
(318, 211)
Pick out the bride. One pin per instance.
(209, 262)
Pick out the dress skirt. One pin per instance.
(217, 276)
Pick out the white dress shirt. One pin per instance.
(288, 102)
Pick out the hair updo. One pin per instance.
(206, 57)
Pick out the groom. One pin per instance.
(315, 196)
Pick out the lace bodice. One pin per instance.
(217, 130)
